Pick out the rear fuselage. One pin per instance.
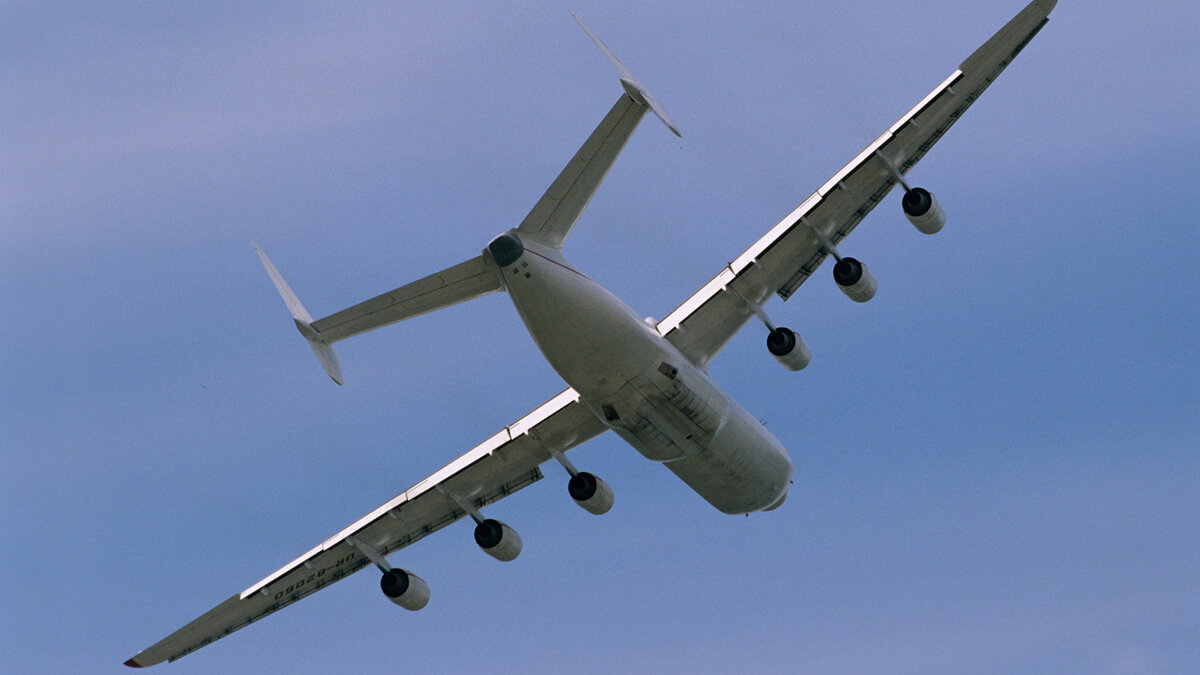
(639, 384)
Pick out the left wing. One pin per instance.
(785, 257)
(501, 465)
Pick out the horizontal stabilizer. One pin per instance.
(458, 283)
(470, 279)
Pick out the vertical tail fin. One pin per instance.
(636, 90)
(303, 320)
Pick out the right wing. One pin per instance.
(785, 257)
(501, 465)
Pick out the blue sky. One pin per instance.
(997, 465)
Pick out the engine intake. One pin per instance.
(590, 492)
(498, 540)
(788, 348)
(855, 280)
(405, 589)
(923, 211)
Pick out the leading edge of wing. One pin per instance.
(497, 467)
(782, 259)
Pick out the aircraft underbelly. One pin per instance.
(679, 417)
(644, 389)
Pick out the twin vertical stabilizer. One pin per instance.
(636, 90)
(303, 320)
(549, 222)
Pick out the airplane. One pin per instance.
(647, 382)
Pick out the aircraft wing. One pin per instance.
(501, 465)
(784, 258)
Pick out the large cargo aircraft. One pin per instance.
(648, 382)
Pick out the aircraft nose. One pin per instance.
(777, 503)
(506, 249)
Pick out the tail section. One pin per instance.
(551, 219)
(303, 320)
(469, 279)
(636, 90)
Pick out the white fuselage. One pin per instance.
(641, 386)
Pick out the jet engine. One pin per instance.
(590, 492)
(498, 540)
(788, 348)
(855, 280)
(405, 589)
(923, 211)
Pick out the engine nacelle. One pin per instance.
(923, 211)
(405, 589)
(854, 279)
(498, 540)
(590, 492)
(788, 348)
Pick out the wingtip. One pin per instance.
(132, 663)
